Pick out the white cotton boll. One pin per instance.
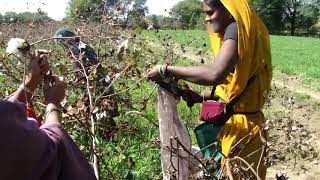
(117, 75)
(134, 48)
(0, 33)
(150, 27)
(64, 102)
(107, 79)
(14, 44)
(95, 110)
(199, 175)
(82, 45)
(125, 44)
(294, 128)
(122, 48)
(11, 19)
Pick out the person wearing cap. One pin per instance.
(240, 75)
(82, 52)
(30, 152)
(72, 42)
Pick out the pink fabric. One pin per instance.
(31, 153)
(213, 112)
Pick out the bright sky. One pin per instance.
(56, 8)
(159, 6)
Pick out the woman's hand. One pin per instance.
(38, 67)
(54, 90)
(154, 74)
(191, 97)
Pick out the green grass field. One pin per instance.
(298, 56)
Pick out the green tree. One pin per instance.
(193, 21)
(317, 26)
(168, 22)
(200, 22)
(291, 12)
(136, 12)
(79, 9)
(162, 22)
(271, 12)
(288, 15)
(187, 12)
(154, 19)
(1, 18)
(306, 18)
(10, 17)
(25, 17)
(83, 9)
(41, 18)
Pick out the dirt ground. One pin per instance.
(294, 131)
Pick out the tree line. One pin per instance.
(25, 17)
(292, 17)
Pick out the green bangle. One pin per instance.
(161, 71)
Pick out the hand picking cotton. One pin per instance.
(174, 163)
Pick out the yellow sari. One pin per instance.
(246, 131)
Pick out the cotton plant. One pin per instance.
(21, 48)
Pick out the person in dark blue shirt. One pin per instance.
(72, 42)
(81, 52)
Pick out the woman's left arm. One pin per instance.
(210, 74)
(35, 74)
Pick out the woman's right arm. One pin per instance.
(54, 93)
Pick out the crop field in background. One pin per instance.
(297, 56)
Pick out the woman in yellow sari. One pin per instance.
(241, 71)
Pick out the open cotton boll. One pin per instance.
(14, 46)
(118, 75)
(82, 45)
(123, 46)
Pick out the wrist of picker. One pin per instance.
(52, 108)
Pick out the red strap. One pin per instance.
(31, 114)
(166, 69)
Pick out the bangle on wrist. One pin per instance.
(161, 71)
(165, 71)
(50, 110)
